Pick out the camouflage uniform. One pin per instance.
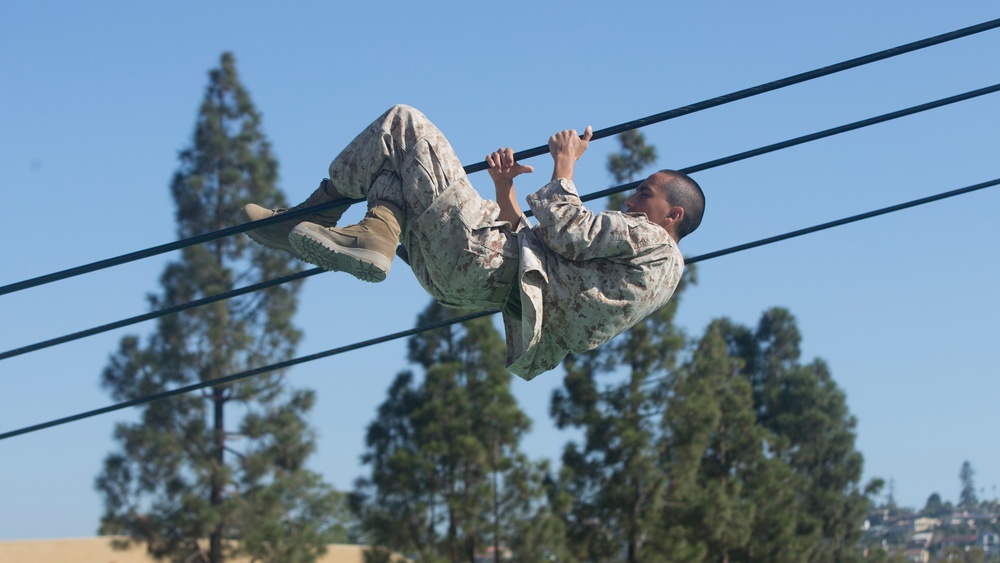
(580, 279)
(585, 278)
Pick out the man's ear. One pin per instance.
(673, 220)
(676, 214)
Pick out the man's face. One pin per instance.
(651, 198)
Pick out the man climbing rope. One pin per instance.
(568, 284)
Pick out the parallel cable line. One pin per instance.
(811, 137)
(845, 221)
(657, 118)
(595, 195)
(159, 313)
(768, 87)
(241, 375)
(442, 324)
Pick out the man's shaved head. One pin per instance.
(683, 191)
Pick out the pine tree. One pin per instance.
(967, 496)
(708, 426)
(634, 157)
(226, 465)
(759, 452)
(933, 507)
(727, 500)
(611, 481)
(538, 533)
(447, 480)
(813, 433)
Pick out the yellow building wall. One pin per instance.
(99, 550)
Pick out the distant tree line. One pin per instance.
(966, 531)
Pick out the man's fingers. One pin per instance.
(495, 161)
(588, 133)
(502, 162)
(508, 158)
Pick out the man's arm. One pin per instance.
(566, 147)
(503, 169)
(573, 231)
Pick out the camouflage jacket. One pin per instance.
(584, 278)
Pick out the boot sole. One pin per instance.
(365, 265)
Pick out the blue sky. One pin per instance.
(96, 100)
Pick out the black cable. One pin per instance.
(839, 222)
(595, 195)
(441, 324)
(714, 102)
(811, 137)
(159, 313)
(244, 374)
(768, 87)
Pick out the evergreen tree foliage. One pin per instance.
(709, 423)
(811, 430)
(205, 476)
(448, 482)
(934, 506)
(727, 499)
(878, 555)
(759, 453)
(611, 482)
(634, 157)
(967, 496)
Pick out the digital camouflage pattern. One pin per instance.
(455, 244)
(584, 278)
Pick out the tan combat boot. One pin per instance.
(364, 250)
(276, 235)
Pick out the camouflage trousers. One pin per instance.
(458, 249)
